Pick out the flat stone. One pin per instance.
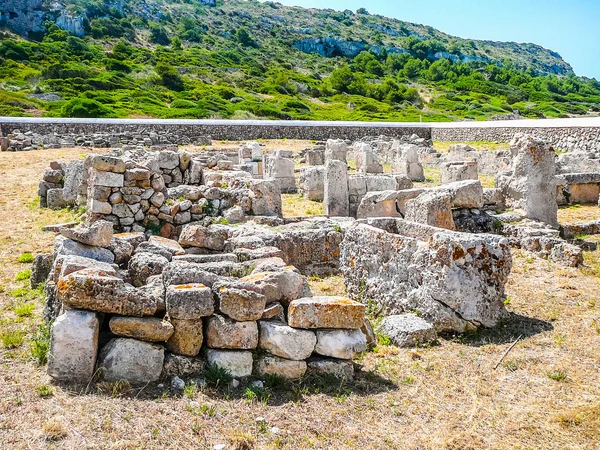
(74, 346)
(56, 227)
(107, 163)
(282, 340)
(65, 246)
(341, 344)
(189, 301)
(274, 310)
(149, 329)
(326, 312)
(223, 332)
(240, 304)
(237, 362)
(107, 179)
(187, 338)
(93, 289)
(131, 360)
(285, 368)
(407, 330)
(97, 234)
(281, 286)
(199, 259)
(168, 244)
(199, 236)
(65, 265)
(180, 272)
(338, 368)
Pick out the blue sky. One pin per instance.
(570, 27)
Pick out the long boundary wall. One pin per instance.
(564, 134)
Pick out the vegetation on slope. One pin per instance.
(246, 59)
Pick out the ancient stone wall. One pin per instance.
(561, 138)
(222, 130)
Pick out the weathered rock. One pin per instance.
(274, 311)
(74, 346)
(265, 198)
(40, 269)
(407, 330)
(198, 236)
(335, 194)
(406, 161)
(312, 183)
(532, 185)
(107, 163)
(453, 280)
(64, 246)
(341, 344)
(149, 329)
(463, 194)
(431, 208)
(107, 179)
(144, 265)
(187, 338)
(282, 340)
(458, 171)
(169, 245)
(326, 312)
(92, 289)
(237, 362)
(223, 332)
(181, 366)
(240, 304)
(379, 204)
(130, 360)
(189, 301)
(284, 285)
(367, 330)
(183, 272)
(285, 368)
(338, 368)
(122, 250)
(65, 265)
(336, 150)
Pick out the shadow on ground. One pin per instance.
(507, 331)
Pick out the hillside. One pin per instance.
(246, 59)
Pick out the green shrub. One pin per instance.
(84, 107)
(25, 258)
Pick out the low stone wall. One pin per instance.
(222, 130)
(561, 138)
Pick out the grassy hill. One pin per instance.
(247, 59)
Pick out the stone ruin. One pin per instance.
(186, 260)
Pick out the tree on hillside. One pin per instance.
(243, 37)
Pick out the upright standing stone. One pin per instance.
(335, 198)
(336, 149)
(406, 162)
(458, 171)
(532, 184)
(74, 346)
(366, 160)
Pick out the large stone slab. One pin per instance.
(237, 362)
(93, 289)
(198, 236)
(335, 196)
(97, 234)
(283, 285)
(131, 360)
(454, 280)
(74, 346)
(143, 265)
(326, 312)
(431, 208)
(338, 368)
(282, 340)
(149, 329)
(65, 246)
(223, 332)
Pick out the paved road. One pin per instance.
(541, 123)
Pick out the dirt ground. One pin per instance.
(544, 395)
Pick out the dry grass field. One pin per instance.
(544, 395)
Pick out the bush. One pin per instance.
(85, 108)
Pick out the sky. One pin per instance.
(569, 27)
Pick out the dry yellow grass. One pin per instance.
(578, 213)
(444, 147)
(545, 395)
(295, 205)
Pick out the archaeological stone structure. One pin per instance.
(185, 260)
